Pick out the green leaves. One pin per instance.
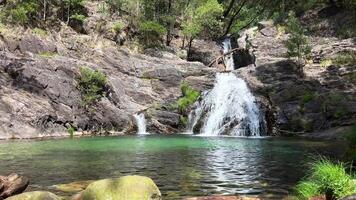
(297, 44)
(151, 33)
(190, 96)
(326, 178)
(92, 85)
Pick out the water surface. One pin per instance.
(180, 165)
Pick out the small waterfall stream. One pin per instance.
(141, 124)
(229, 108)
(229, 59)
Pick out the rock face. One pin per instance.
(38, 85)
(12, 185)
(37, 195)
(297, 102)
(127, 187)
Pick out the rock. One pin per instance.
(12, 184)
(37, 195)
(124, 188)
(351, 197)
(221, 198)
(299, 101)
(33, 44)
(204, 51)
(73, 187)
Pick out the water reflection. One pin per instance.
(180, 166)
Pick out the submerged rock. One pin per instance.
(12, 185)
(37, 195)
(77, 186)
(124, 188)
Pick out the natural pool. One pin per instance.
(180, 165)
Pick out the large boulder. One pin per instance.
(124, 188)
(37, 195)
(12, 185)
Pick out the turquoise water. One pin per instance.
(180, 165)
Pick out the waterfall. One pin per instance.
(229, 108)
(141, 124)
(229, 59)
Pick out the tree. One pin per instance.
(202, 20)
(297, 44)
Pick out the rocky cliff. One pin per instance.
(39, 94)
(296, 101)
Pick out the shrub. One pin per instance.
(307, 97)
(345, 58)
(297, 44)
(71, 131)
(151, 33)
(78, 17)
(92, 85)
(189, 97)
(20, 12)
(118, 26)
(326, 178)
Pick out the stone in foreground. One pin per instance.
(12, 185)
(37, 195)
(221, 198)
(124, 188)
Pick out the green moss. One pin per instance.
(124, 188)
(78, 17)
(326, 63)
(326, 178)
(47, 54)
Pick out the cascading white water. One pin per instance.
(229, 108)
(229, 59)
(141, 124)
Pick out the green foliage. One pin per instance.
(183, 120)
(92, 85)
(345, 58)
(307, 97)
(71, 131)
(39, 32)
(326, 178)
(151, 33)
(20, 11)
(118, 26)
(307, 189)
(189, 97)
(47, 54)
(78, 17)
(297, 44)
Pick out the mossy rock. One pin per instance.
(37, 195)
(124, 188)
(73, 187)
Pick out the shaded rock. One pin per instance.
(37, 195)
(12, 184)
(351, 197)
(204, 51)
(124, 188)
